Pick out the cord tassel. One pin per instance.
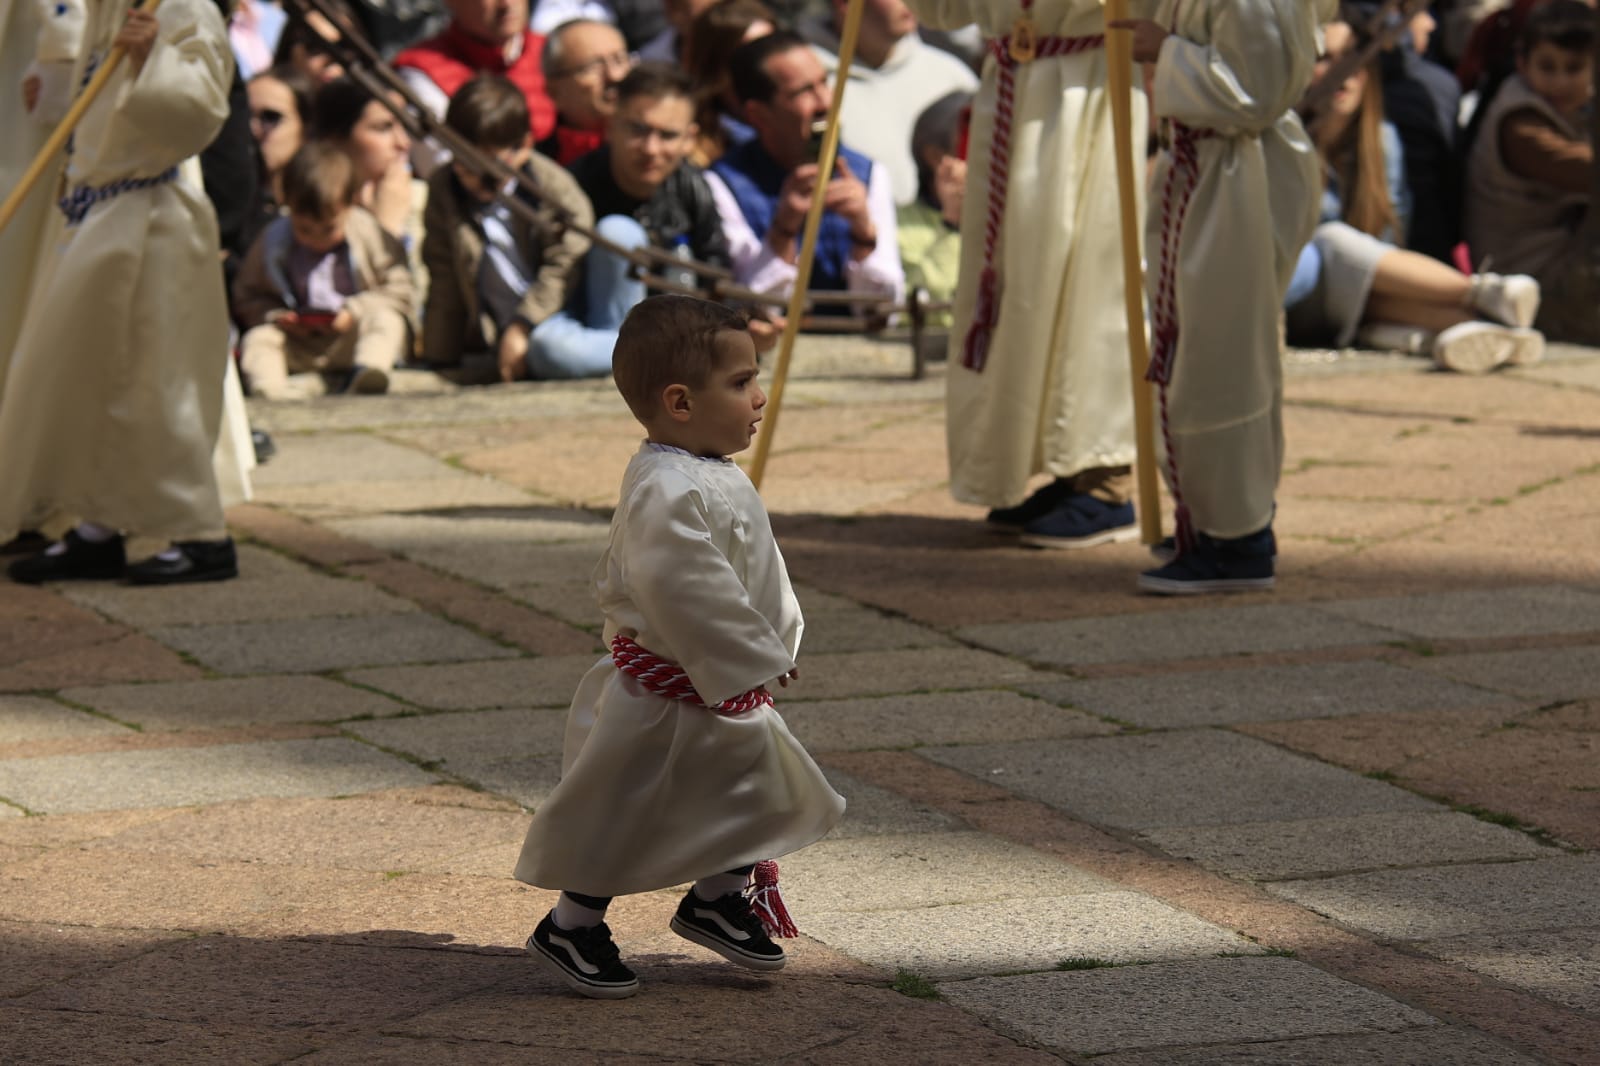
(767, 903)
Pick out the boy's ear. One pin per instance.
(676, 401)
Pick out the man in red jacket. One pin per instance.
(484, 37)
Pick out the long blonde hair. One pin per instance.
(1356, 158)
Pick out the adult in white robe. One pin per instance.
(1232, 71)
(1054, 395)
(113, 400)
(654, 791)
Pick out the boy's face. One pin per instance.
(1562, 76)
(484, 186)
(726, 409)
(649, 139)
(319, 234)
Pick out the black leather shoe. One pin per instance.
(265, 449)
(197, 560)
(84, 560)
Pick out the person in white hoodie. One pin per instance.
(1234, 199)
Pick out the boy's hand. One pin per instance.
(765, 331)
(514, 352)
(137, 37)
(343, 322)
(950, 187)
(1147, 38)
(792, 675)
(289, 322)
(32, 86)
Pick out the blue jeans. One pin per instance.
(577, 343)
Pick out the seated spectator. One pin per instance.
(1531, 172)
(1421, 100)
(714, 35)
(667, 46)
(764, 187)
(1353, 273)
(253, 30)
(303, 44)
(498, 280)
(280, 104)
(344, 113)
(645, 194)
(483, 37)
(894, 77)
(324, 289)
(930, 226)
(583, 62)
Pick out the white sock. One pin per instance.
(718, 885)
(570, 914)
(93, 532)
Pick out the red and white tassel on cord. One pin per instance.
(765, 901)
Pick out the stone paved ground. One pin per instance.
(1352, 821)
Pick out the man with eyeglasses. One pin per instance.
(583, 60)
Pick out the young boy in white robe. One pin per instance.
(1234, 199)
(114, 394)
(676, 767)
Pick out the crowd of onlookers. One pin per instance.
(1458, 162)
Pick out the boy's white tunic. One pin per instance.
(656, 792)
(112, 404)
(1056, 396)
(1236, 67)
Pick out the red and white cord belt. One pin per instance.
(1176, 193)
(986, 310)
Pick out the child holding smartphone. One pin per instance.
(324, 289)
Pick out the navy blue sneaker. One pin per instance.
(1242, 564)
(1041, 503)
(1082, 521)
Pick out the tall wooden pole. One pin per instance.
(1119, 74)
(58, 139)
(808, 246)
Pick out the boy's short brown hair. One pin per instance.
(668, 340)
(490, 112)
(320, 180)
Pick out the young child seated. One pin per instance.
(496, 278)
(930, 226)
(676, 766)
(324, 289)
(1530, 171)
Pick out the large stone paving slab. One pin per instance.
(25, 718)
(268, 587)
(926, 870)
(343, 498)
(1562, 965)
(984, 716)
(1164, 780)
(1206, 632)
(1542, 673)
(459, 741)
(969, 939)
(63, 1037)
(182, 777)
(836, 676)
(228, 703)
(350, 457)
(1312, 847)
(545, 682)
(1266, 694)
(518, 547)
(1449, 901)
(316, 644)
(1413, 1047)
(1514, 612)
(871, 811)
(1174, 1004)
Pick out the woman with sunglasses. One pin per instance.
(280, 100)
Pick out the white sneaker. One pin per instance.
(1475, 347)
(1529, 349)
(1393, 337)
(1510, 299)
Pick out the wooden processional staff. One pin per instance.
(58, 139)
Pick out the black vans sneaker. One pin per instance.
(586, 959)
(729, 927)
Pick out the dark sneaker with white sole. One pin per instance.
(728, 926)
(1239, 565)
(586, 959)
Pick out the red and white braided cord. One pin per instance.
(986, 310)
(1182, 178)
(665, 678)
